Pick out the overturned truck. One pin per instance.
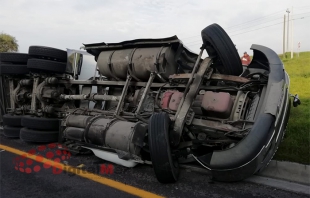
(152, 101)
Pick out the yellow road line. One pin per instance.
(102, 180)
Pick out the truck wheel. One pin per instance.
(222, 50)
(12, 120)
(48, 53)
(12, 69)
(30, 135)
(165, 167)
(10, 57)
(46, 65)
(49, 124)
(11, 132)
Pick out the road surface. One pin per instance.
(124, 182)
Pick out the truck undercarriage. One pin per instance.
(154, 102)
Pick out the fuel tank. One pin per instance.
(141, 61)
(111, 133)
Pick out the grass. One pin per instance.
(296, 144)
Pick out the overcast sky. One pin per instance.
(69, 23)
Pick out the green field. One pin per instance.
(296, 144)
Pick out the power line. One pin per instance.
(195, 41)
(301, 13)
(243, 23)
(257, 24)
(257, 29)
(254, 20)
(269, 26)
(268, 21)
(232, 27)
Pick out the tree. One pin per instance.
(8, 43)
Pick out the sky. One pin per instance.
(70, 23)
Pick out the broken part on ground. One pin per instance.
(152, 101)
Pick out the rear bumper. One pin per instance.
(255, 151)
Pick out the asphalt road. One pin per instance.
(45, 183)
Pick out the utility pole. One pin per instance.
(288, 28)
(292, 35)
(284, 36)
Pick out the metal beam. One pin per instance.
(181, 114)
(213, 77)
(117, 83)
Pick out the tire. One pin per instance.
(11, 69)
(11, 132)
(48, 53)
(10, 57)
(222, 50)
(166, 169)
(12, 120)
(30, 135)
(46, 65)
(48, 124)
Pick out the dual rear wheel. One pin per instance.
(30, 128)
(39, 59)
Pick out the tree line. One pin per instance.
(8, 43)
